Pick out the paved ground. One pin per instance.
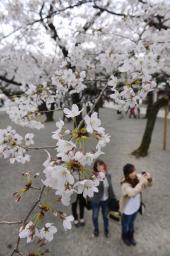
(152, 229)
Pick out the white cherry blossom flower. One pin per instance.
(57, 177)
(29, 139)
(87, 187)
(11, 146)
(47, 232)
(66, 197)
(92, 122)
(67, 222)
(103, 140)
(29, 232)
(80, 157)
(90, 157)
(56, 135)
(48, 161)
(73, 112)
(64, 146)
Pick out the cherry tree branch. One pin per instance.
(97, 100)
(114, 13)
(16, 250)
(9, 81)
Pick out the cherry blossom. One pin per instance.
(92, 123)
(29, 139)
(87, 187)
(47, 232)
(67, 222)
(57, 177)
(29, 232)
(73, 112)
(125, 51)
(56, 134)
(11, 146)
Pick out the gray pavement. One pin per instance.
(152, 229)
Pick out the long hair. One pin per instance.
(99, 162)
(132, 182)
(127, 169)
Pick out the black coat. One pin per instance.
(98, 195)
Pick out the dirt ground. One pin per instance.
(152, 229)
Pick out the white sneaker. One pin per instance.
(76, 223)
(82, 222)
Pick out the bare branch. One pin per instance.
(9, 81)
(11, 222)
(97, 100)
(111, 12)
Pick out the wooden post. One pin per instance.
(165, 127)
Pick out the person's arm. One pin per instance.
(147, 177)
(129, 191)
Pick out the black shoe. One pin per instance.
(106, 234)
(133, 242)
(126, 240)
(76, 223)
(96, 233)
(132, 239)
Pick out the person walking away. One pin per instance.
(132, 186)
(132, 110)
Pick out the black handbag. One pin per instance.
(113, 205)
(142, 208)
(114, 209)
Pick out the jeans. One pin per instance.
(81, 201)
(128, 223)
(95, 214)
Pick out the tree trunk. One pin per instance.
(150, 104)
(76, 100)
(142, 151)
(50, 115)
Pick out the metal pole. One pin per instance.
(165, 127)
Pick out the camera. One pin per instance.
(143, 173)
(149, 178)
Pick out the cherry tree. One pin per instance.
(50, 49)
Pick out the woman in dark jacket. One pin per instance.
(102, 197)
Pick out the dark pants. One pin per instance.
(95, 214)
(132, 114)
(128, 223)
(81, 201)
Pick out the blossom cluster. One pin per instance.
(132, 93)
(11, 145)
(46, 233)
(64, 174)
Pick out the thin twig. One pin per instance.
(91, 110)
(38, 148)
(35, 188)
(11, 222)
